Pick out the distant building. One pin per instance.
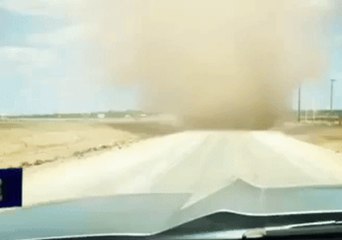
(101, 115)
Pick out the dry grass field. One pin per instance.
(25, 143)
(319, 134)
(33, 142)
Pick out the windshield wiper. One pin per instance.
(296, 230)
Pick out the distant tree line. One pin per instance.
(108, 114)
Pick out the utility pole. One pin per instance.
(299, 104)
(332, 81)
(313, 109)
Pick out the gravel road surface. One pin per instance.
(199, 162)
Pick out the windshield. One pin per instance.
(207, 106)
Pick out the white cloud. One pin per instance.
(67, 35)
(52, 8)
(80, 30)
(338, 40)
(25, 57)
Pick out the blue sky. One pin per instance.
(41, 71)
(40, 67)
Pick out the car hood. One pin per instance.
(148, 214)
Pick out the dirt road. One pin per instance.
(199, 162)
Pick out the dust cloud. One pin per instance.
(215, 63)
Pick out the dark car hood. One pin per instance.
(147, 214)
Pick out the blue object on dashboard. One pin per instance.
(11, 186)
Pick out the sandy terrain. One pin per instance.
(25, 143)
(144, 157)
(323, 135)
(35, 142)
(196, 162)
